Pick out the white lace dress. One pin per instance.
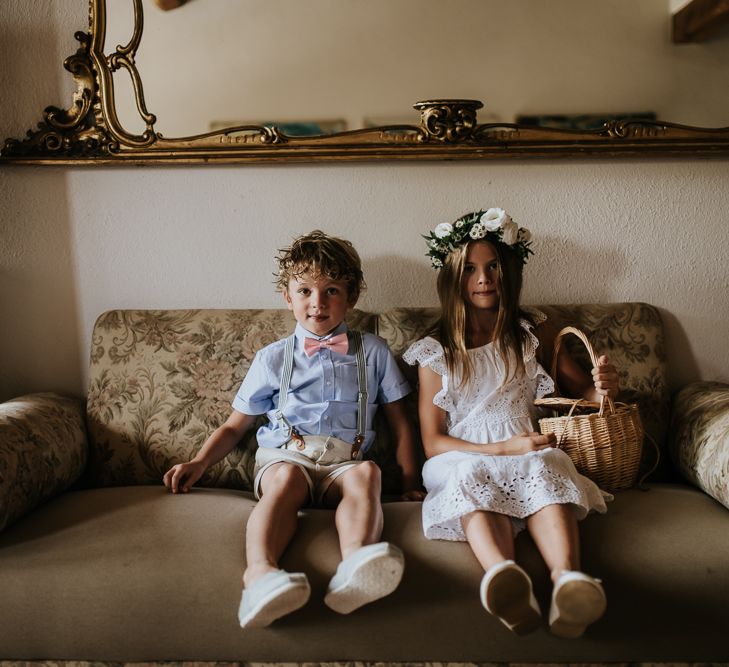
(484, 412)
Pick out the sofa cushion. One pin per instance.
(161, 381)
(700, 437)
(42, 451)
(139, 574)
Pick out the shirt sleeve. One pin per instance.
(392, 383)
(256, 393)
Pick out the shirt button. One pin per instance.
(328, 382)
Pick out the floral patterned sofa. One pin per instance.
(99, 564)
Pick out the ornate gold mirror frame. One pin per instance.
(89, 132)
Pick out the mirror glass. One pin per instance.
(319, 66)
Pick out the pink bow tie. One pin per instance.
(338, 343)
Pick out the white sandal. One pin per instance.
(577, 601)
(506, 592)
(370, 573)
(273, 595)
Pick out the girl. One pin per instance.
(488, 474)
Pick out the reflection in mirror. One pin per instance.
(156, 87)
(347, 64)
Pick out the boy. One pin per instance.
(319, 389)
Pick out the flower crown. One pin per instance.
(493, 225)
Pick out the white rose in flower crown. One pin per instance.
(478, 231)
(510, 232)
(443, 230)
(494, 219)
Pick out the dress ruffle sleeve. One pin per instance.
(428, 352)
(543, 383)
(530, 348)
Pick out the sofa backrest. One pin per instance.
(162, 380)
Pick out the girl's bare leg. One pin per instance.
(272, 524)
(554, 530)
(356, 495)
(577, 599)
(490, 536)
(506, 591)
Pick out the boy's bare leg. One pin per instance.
(369, 569)
(356, 495)
(554, 530)
(272, 523)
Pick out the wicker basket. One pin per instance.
(604, 440)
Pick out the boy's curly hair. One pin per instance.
(319, 254)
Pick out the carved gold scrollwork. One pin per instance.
(105, 67)
(272, 135)
(248, 134)
(263, 135)
(74, 132)
(123, 57)
(448, 121)
(116, 62)
(630, 129)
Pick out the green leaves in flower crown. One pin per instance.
(494, 225)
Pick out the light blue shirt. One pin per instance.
(322, 396)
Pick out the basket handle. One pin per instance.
(593, 358)
(569, 417)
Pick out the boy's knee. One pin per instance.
(283, 479)
(366, 475)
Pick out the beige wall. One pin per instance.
(78, 241)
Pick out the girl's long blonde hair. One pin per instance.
(451, 329)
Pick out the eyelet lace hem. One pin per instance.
(517, 486)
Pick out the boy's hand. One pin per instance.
(605, 377)
(182, 476)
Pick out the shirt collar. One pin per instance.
(302, 333)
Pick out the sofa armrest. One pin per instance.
(43, 450)
(699, 441)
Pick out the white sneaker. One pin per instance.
(370, 573)
(274, 595)
(506, 592)
(577, 601)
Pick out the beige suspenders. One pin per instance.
(288, 369)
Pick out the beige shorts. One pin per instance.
(322, 460)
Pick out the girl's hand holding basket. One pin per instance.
(605, 439)
(605, 378)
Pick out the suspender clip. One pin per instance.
(358, 440)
